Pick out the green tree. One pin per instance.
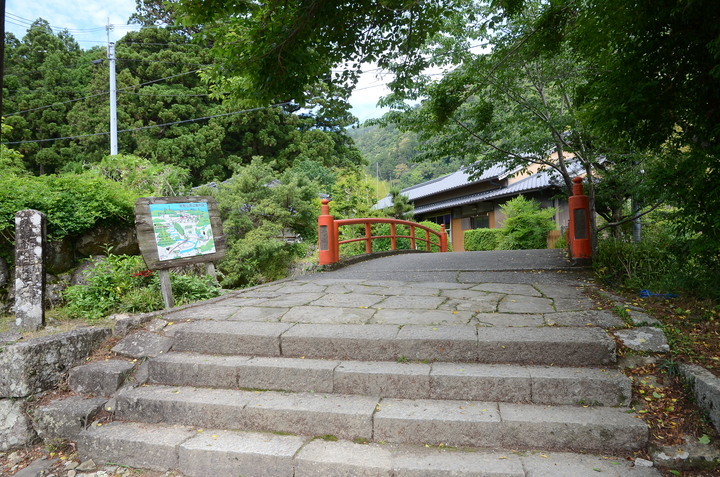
(275, 50)
(43, 76)
(401, 207)
(526, 225)
(259, 206)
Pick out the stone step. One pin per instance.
(432, 422)
(438, 380)
(210, 453)
(559, 346)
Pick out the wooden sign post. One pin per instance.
(175, 231)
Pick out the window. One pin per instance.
(481, 221)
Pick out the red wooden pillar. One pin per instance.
(327, 240)
(443, 239)
(579, 226)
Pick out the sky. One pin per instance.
(86, 20)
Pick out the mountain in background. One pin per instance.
(393, 156)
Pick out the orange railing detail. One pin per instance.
(329, 245)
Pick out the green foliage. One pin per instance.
(526, 225)
(73, 203)
(662, 262)
(159, 97)
(482, 239)
(258, 207)
(142, 175)
(10, 160)
(120, 283)
(401, 207)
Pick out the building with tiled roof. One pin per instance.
(462, 202)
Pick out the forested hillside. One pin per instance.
(394, 155)
(57, 104)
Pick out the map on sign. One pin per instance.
(182, 230)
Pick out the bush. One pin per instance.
(662, 262)
(482, 239)
(526, 225)
(73, 203)
(257, 205)
(120, 283)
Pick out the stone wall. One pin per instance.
(31, 367)
(66, 261)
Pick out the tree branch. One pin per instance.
(629, 219)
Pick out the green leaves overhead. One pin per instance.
(274, 51)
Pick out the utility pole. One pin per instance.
(113, 92)
(113, 101)
(2, 56)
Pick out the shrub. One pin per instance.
(257, 205)
(482, 239)
(662, 261)
(120, 283)
(526, 225)
(73, 203)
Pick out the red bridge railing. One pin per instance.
(329, 245)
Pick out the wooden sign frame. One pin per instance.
(196, 208)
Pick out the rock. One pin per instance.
(71, 473)
(156, 325)
(143, 344)
(9, 337)
(54, 289)
(644, 339)
(15, 427)
(101, 378)
(15, 458)
(66, 418)
(690, 455)
(641, 318)
(79, 274)
(88, 465)
(36, 365)
(60, 255)
(4, 273)
(643, 463)
(117, 239)
(706, 387)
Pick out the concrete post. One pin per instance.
(30, 240)
(579, 226)
(326, 235)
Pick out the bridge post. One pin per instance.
(327, 240)
(443, 239)
(579, 226)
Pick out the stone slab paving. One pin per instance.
(383, 378)
(190, 369)
(135, 444)
(143, 344)
(508, 319)
(219, 452)
(256, 313)
(215, 453)
(368, 342)
(439, 380)
(421, 317)
(325, 314)
(242, 338)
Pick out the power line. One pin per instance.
(148, 127)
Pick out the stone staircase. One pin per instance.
(244, 397)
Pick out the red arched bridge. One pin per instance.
(420, 236)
